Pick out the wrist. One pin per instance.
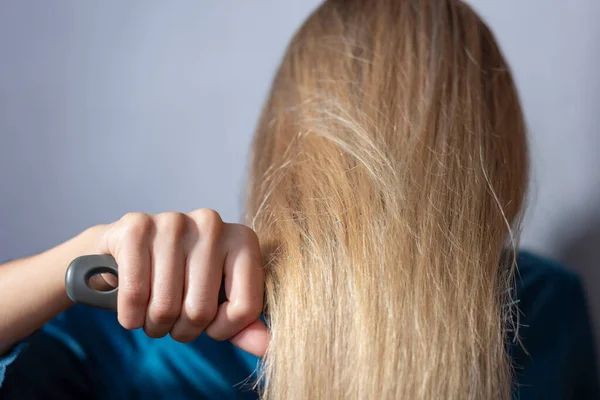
(85, 243)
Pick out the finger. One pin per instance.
(103, 282)
(168, 274)
(204, 273)
(244, 284)
(110, 280)
(254, 338)
(131, 250)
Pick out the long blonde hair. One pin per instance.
(387, 178)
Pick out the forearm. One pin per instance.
(33, 290)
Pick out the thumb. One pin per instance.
(254, 338)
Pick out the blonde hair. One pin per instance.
(387, 174)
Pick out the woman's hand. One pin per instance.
(170, 271)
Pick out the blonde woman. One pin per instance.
(379, 257)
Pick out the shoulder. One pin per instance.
(538, 272)
(555, 353)
(541, 281)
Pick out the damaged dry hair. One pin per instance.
(387, 179)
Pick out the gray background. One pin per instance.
(112, 106)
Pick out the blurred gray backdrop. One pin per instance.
(115, 106)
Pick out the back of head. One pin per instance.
(388, 169)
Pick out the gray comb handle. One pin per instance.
(77, 282)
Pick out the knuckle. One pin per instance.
(201, 314)
(154, 333)
(246, 234)
(135, 218)
(172, 224)
(133, 297)
(164, 312)
(245, 311)
(208, 220)
(245, 240)
(135, 224)
(129, 322)
(246, 243)
(182, 337)
(218, 336)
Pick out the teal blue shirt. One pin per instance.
(85, 353)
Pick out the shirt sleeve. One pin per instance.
(82, 353)
(8, 359)
(47, 364)
(44, 366)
